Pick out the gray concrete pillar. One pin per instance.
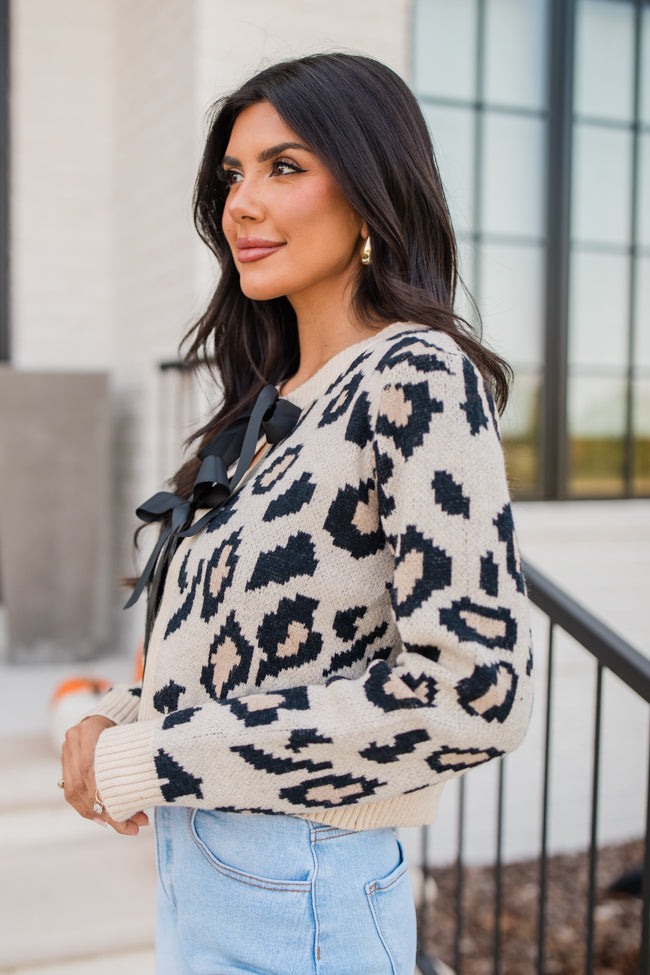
(55, 513)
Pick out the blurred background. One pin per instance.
(539, 112)
(540, 116)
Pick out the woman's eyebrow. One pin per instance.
(267, 154)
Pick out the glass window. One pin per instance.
(520, 433)
(601, 183)
(643, 209)
(490, 136)
(645, 65)
(467, 260)
(642, 318)
(596, 421)
(641, 427)
(512, 302)
(641, 409)
(452, 133)
(515, 58)
(445, 48)
(598, 310)
(604, 59)
(513, 176)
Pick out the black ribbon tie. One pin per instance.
(270, 415)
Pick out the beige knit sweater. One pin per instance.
(352, 630)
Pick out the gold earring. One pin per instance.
(366, 253)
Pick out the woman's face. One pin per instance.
(290, 229)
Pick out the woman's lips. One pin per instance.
(255, 248)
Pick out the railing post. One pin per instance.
(458, 934)
(541, 928)
(593, 849)
(498, 871)
(644, 957)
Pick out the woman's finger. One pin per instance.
(78, 764)
(131, 827)
(78, 775)
(75, 789)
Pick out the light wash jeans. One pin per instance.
(276, 895)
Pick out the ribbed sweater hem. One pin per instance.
(416, 809)
(124, 770)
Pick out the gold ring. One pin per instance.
(61, 784)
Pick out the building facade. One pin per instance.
(540, 116)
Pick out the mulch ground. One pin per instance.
(617, 917)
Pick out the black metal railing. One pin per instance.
(611, 654)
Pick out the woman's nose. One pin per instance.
(244, 201)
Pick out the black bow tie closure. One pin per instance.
(270, 415)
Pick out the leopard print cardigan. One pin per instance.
(351, 629)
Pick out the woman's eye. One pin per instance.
(285, 168)
(231, 176)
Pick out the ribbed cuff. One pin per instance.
(124, 769)
(118, 705)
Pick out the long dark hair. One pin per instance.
(365, 125)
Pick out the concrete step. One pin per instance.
(129, 963)
(72, 894)
(30, 771)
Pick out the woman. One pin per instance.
(338, 622)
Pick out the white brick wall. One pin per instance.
(238, 39)
(60, 166)
(108, 108)
(154, 162)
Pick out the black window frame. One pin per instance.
(554, 468)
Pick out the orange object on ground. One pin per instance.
(138, 668)
(75, 685)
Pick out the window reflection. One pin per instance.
(513, 175)
(644, 190)
(516, 49)
(598, 309)
(452, 134)
(642, 319)
(520, 434)
(604, 59)
(641, 414)
(596, 421)
(645, 65)
(444, 36)
(602, 171)
(512, 302)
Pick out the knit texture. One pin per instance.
(352, 629)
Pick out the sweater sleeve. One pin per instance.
(457, 690)
(121, 704)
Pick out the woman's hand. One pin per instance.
(78, 764)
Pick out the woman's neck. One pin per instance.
(324, 331)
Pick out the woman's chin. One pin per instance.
(259, 292)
